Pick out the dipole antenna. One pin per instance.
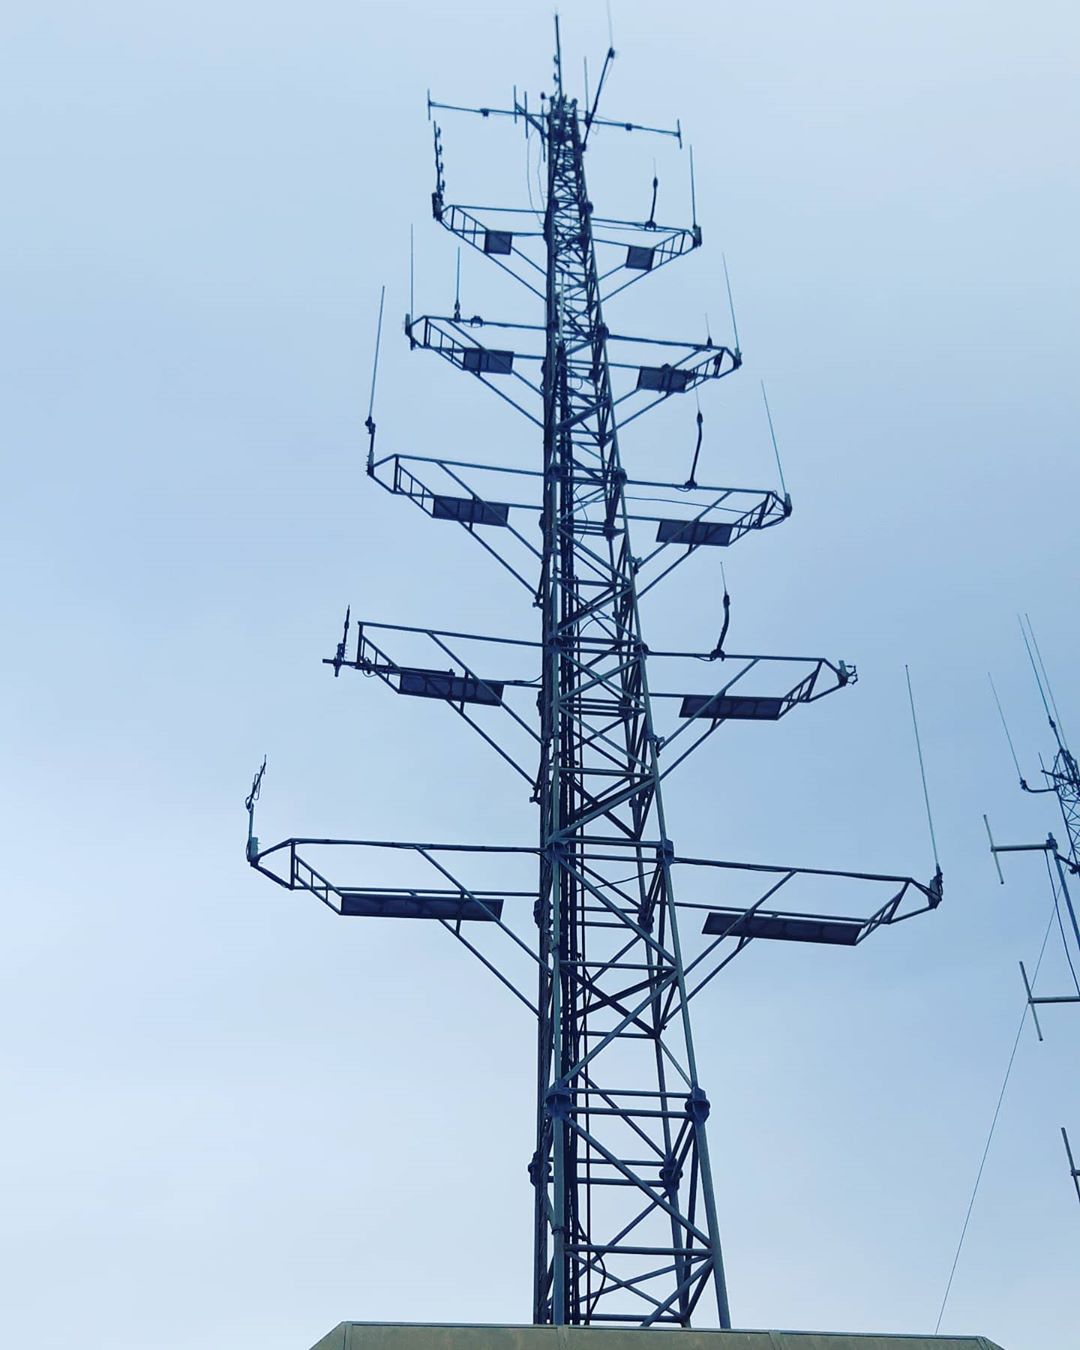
(600, 927)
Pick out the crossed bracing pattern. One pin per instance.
(626, 1228)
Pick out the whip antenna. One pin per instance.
(412, 282)
(1045, 682)
(693, 192)
(922, 770)
(370, 421)
(776, 448)
(731, 305)
(1005, 728)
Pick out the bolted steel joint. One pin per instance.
(559, 1101)
(697, 1106)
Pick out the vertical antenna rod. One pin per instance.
(1005, 728)
(731, 304)
(922, 769)
(370, 420)
(772, 434)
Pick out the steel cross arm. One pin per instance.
(518, 110)
(674, 243)
(405, 484)
(496, 638)
(303, 876)
(452, 347)
(386, 665)
(886, 913)
(589, 476)
(619, 125)
(371, 660)
(805, 691)
(673, 1009)
(460, 222)
(771, 509)
(711, 350)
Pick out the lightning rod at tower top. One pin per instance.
(599, 925)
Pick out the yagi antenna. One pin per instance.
(776, 448)
(731, 304)
(370, 421)
(922, 770)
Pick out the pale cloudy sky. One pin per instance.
(230, 1118)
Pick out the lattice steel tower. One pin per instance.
(1062, 781)
(625, 1217)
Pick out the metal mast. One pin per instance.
(1062, 781)
(625, 1216)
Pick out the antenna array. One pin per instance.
(617, 931)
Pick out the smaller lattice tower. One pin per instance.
(1061, 780)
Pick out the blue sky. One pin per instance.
(229, 1115)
